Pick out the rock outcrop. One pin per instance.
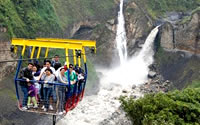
(167, 36)
(182, 36)
(187, 36)
(138, 26)
(5, 54)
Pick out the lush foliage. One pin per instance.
(70, 11)
(48, 18)
(158, 8)
(173, 108)
(28, 18)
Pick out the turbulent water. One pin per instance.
(99, 109)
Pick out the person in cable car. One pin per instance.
(61, 90)
(36, 73)
(80, 78)
(26, 75)
(55, 62)
(31, 96)
(73, 77)
(47, 65)
(47, 76)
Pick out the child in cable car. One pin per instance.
(31, 96)
(36, 73)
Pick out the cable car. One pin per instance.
(75, 92)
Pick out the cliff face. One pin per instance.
(138, 26)
(187, 36)
(5, 54)
(182, 40)
(182, 36)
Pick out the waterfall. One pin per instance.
(135, 69)
(147, 51)
(121, 36)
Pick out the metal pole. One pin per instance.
(54, 119)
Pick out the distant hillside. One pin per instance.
(45, 18)
(28, 18)
(70, 11)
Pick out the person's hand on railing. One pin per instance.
(27, 80)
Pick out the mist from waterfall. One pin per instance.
(121, 36)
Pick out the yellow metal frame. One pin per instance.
(85, 43)
(47, 43)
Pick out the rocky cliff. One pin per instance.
(5, 54)
(182, 36)
(178, 56)
(138, 26)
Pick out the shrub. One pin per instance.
(175, 108)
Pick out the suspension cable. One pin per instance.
(41, 58)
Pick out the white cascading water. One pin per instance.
(94, 109)
(121, 36)
(135, 69)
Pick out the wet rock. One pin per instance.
(133, 96)
(124, 91)
(152, 74)
(117, 118)
(133, 86)
(112, 21)
(87, 121)
(152, 67)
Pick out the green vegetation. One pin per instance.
(158, 8)
(194, 84)
(28, 18)
(173, 108)
(69, 11)
(188, 18)
(48, 18)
